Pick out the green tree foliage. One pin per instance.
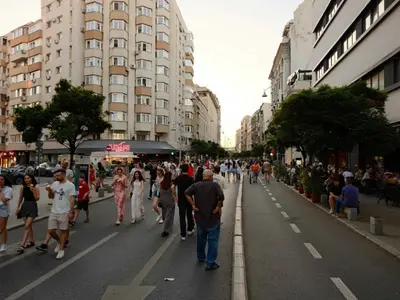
(73, 115)
(212, 149)
(335, 118)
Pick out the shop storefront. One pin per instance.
(8, 158)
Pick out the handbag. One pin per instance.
(19, 215)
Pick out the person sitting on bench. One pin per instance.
(349, 197)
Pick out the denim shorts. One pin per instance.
(4, 211)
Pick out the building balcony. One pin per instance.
(119, 126)
(161, 128)
(142, 127)
(19, 56)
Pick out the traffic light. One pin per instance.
(172, 153)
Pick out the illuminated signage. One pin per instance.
(121, 147)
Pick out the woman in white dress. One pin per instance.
(137, 185)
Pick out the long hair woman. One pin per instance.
(199, 174)
(137, 185)
(120, 184)
(156, 194)
(6, 194)
(167, 200)
(29, 195)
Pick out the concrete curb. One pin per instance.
(395, 252)
(239, 281)
(15, 226)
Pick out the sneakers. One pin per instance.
(212, 267)
(183, 238)
(158, 218)
(133, 221)
(118, 222)
(3, 248)
(190, 232)
(42, 247)
(161, 221)
(60, 254)
(57, 248)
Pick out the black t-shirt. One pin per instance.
(183, 182)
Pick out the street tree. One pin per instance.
(30, 121)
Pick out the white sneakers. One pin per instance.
(60, 253)
(190, 232)
(3, 248)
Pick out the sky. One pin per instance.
(235, 44)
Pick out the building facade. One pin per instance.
(238, 141)
(138, 54)
(353, 40)
(245, 133)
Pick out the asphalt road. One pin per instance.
(295, 251)
(102, 254)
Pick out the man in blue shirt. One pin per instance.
(349, 197)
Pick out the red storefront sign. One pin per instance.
(121, 147)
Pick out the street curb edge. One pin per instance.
(385, 246)
(12, 227)
(239, 281)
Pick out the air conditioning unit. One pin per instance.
(23, 51)
(48, 77)
(23, 98)
(54, 20)
(48, 44)
(84, 10)
(82, 30)
(133, 67)
(33, 80)
(56, 41)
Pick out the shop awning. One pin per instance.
(135, 147)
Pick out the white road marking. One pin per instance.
(343, 289)
(58, 269)
(278, 205)
(270, 194)
(295, 228)
(313, 251)
(267, 190)
(273, 199)
(20, 256)
(285, 215)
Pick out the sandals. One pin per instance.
(28, 245)
(20, 250)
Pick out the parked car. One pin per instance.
(45, 169)
(16, 177)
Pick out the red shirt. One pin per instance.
(83, 189)
(190, 171)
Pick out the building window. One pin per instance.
(35, 43)
(142, 81)
(141, 99)
(162, 87)
(162, 70)
(94, 62)
(58, 53)
(162, 103)
(333, 59)
(94, 44)
(143, 28)
(143, 118)
(93, 79)
(118, 116)
(163, 4)
(48, 89)
(142, 46)
(118, 43)
(118, 61)
(162, 20)
(119, 5)
(58, 70)
(367, 22)
(34, 90)
(34, 59)
(118, 97)
(18, 32)
(189, 128)
(16, 138)
(35, 27)
(188, 63)
(119, 25)
(143, 11)
(94, 25)
(349, 41)
(188, 102)
(18, 48)
(118, 79)
(162, 37)
(35, 75)
(188, 115)
(143, 64)
(161, 53)
(94, 7)
(376, 81)
(320, 72)
(162, 120)
(119, 135)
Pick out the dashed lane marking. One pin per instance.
(285, 215)
(313, 251)
(343, 289)
(278, 205)
(295, 228)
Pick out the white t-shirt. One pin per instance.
(8, 193)
(69, 174)
(218, 178)
(62, 192)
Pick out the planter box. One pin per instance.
(315, 197)
(308, 195)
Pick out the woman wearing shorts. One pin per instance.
(6, 195)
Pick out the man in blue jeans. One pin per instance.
(349, 197)
(207, 206)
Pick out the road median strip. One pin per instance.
(377, 241)
(239, 283)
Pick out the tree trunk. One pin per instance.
(304, 155)
(71, 156)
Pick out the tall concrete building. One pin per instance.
(354, 40)
(238, 141)
(245, 133)
(138, 54)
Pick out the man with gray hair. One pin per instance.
(206, 198)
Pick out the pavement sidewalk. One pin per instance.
(44, 204)
(390, 241)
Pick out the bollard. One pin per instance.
(324, 200)
(101, 192)
(376, 225)
(109, 189)
(351, 213)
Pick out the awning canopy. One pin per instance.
(135, 147)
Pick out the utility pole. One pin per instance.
(39, 154)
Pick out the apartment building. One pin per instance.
(238, 141)
(354, 40)
(213, 106)
(245, 133)
(138, 54)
